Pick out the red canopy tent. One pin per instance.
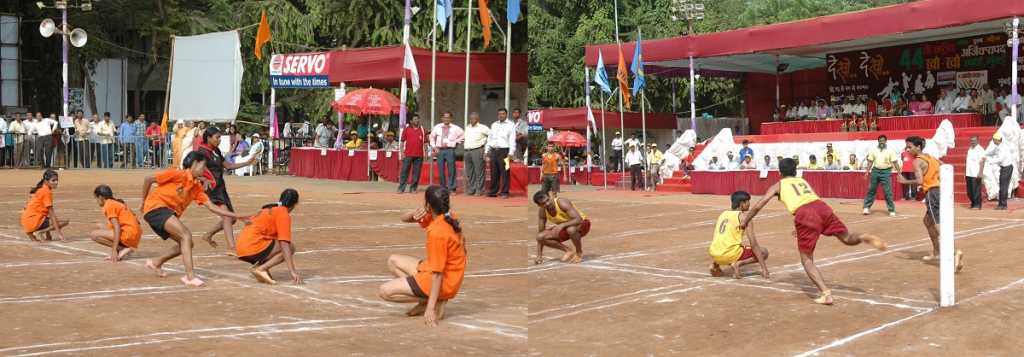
(753, 53)
(381, 67)
(576, 119)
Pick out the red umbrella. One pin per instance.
(568, 139)
(368, 102)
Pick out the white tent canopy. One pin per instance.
(205, 77)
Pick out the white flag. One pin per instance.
(410, 64)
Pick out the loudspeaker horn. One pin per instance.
(47, 28)
(79, 37)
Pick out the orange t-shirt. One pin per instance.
(130, 230)
(931, 174)
(176, 189)
(37, 209)
(445, 254)
(269, 225)
(550, 166)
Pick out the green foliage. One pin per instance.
(561, 29)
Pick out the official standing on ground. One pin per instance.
(475, 148)
(880, 162)
(975, 167)
(444, 137)
(522, 133)
(1001, 154)
(413, 138)
(501, 144)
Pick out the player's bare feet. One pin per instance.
(34, 238)
(875, 241)
(929, 257)
(417, 310)
(194, 282)
(735, 270)
(123, 253)
(262, 276)
(209, 240)
(230, 253)
(159, 272)
(825, 298)
(538, 260)
(576, 258)
(567, 256)
(715, 270)
(958, 261)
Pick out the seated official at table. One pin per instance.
(715, 165)
(812, 164)
(354, 142)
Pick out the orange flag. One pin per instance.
(262, 35)
(485, 21)
(623, 76)
(163, 125)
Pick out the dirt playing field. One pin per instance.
(63, 298)
(644, 288)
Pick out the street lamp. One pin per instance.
(690, 12)
(77, 37)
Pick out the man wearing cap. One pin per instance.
(616, 158)
(389, 142)
(654, 159)
(880, 161)
(444, 137)
(354, 142)
(412, 154)
(1002, 155)
(475, 147)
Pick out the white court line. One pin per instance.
(48, 296)
(36, 264)
(94, 297)
(993, 291)
(619, 296)
(847, 339)
(403, 246)
(599, 307)
(368, 278)
(173, 336)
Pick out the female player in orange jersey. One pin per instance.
(39, 216)
(122, 231)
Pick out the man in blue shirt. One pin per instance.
(126, 133)
(746, 151)
(141, 144)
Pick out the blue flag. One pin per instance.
(601, 77)
(638, 67)
(444, 10)
(513, 11)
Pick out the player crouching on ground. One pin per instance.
(727, 247)
(569, 223)
(267, 241)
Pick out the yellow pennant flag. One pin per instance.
(485, 21)
(262, 35)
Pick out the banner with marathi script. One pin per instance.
(920, 68)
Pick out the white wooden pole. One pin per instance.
(947, 291)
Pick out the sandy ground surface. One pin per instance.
(63, 298)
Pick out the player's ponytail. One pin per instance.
(289, 198)
(104, 192)
(48, 175)
(438, 199)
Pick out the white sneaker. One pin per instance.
(867, 211)
(892, 214)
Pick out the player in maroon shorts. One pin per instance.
(812, 218)
(569, 223)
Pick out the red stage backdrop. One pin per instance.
(920, 68)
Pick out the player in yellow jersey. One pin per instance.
(926, 174)
(727, 247)
(812, 219)
(569, 223)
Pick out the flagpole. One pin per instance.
(604, 144)
(469, 36)
(643, 128)
(622, 120)
(403, 111)
(451, 29)
(508, 63)
(590, 114)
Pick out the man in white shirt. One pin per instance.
(975, 162)
(634, 160)
(1001, 154)
(444, 137)
(44, 139)
(3, 142)
(730, 162)
(616, 159)
(82, 155)
(17, 129)
(962, 102)
(94, 140)
(106, 133)
(767, 163)
(632, 141)
(715, 165)
(474, 148)
(501, 144)
(31, 134)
